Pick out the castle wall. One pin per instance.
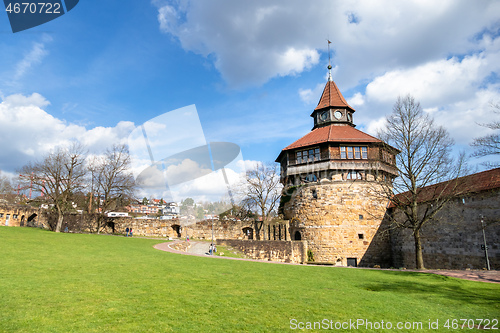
(341, 222)
(282, 251)
(21, 215)
(221, 230)
(453, 239)
(179, 229)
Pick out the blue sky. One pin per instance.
(254, 69)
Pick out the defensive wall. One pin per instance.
(454, 239)
(22, 216)
(271, 250)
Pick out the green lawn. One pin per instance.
(96, 283)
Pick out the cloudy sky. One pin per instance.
(253, 69)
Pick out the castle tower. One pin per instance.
(333, 179)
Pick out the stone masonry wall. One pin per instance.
(282, 251)
(21, 215)
(453, 240)
(341, 222)
(178, 229)
(222, 229)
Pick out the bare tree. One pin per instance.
(489, 145)
(424, 160)
(5, 186)
(112, 182)
(262, 191)
(58, 176)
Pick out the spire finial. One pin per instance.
(329, 64)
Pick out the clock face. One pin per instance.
(324, 116)
(338, 114)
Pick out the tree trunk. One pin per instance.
(419, 260)
(99, 224)
(60, 218)
(257, 230)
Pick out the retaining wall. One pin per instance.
(283, 251)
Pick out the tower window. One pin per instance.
(354, 153)
(309, 155)
(361, 236)
(353, 175)
(349, 152)
(315, 194)
(360, 216)
(357, 152)
(364, 153)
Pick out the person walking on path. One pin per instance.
(130, 232)
(126, 230)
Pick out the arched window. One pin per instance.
(248, 232)
(297, 235)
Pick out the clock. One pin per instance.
(337, 114)
(324, 116)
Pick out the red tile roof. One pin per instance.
(332, 97)
(332, 133)
(478, 182)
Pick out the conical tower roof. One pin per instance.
(332, 98)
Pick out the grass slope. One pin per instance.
(95, 283)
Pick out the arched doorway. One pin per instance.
(177, 230)
(21, 224)
(31, 220)
(248, 232)
(297, 235)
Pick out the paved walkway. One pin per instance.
(201, 249)
(483, 276)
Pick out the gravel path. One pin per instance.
(201, 249)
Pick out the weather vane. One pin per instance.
(329, 64)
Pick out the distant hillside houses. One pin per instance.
(165, 210)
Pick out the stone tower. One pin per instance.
(333, 178)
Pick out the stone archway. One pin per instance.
(31, 220)
(297, 235)
(248, 232)
(177, 230)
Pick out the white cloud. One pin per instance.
(311, 96)
(27, 131)
(254, 41)
(436, 82)
(356, 100)
(375, 125)
(186, 170)
(207, 186)
(33, 57)
(19, 100)
(462, 118)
